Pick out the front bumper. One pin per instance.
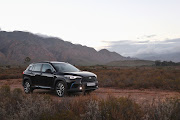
(80, 87)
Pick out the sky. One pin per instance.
(128, 27)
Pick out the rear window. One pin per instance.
(37, 67)
(30, 68)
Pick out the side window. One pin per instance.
(46, 68)
(37, 67)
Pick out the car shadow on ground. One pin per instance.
(53, 93)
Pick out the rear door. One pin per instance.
(47, 75)
(36, 74)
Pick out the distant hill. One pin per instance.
(175, 57)
(131, 63)
(17, 45)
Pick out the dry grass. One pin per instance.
(138, 77)
(15, 105)
(8, 72)
(122, 77)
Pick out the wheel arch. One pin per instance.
(57, 80)
(25, 79)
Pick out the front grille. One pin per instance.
(89, 79)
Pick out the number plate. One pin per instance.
(91, 84)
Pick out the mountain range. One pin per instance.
(174, 56)
(17, 45)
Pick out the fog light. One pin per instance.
(80, 88)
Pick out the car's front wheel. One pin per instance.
(61, 89)
(27, 87)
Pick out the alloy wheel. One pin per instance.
(27, 87)
(60, 89)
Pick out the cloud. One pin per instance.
(135, 48)
(177, 40)
(147, 36)
(144, 42)
(150, 36)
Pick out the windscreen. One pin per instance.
(65, 67)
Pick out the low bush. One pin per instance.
(140, 77)
(11, 72)
(164, 110)
(120, 109)
(122, 77)
(15, 105)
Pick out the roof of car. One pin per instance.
(49, 62)
(55, 62)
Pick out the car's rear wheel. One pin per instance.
(61, 89)
(27, 87)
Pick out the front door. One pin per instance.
(47, 75)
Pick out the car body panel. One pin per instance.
(44, 80)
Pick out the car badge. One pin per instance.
(89, 77)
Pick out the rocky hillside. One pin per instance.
(17, 45)
(131, 63)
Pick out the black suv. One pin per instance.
(59, 76)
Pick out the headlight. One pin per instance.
(71, 77)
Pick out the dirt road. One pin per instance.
(140, 96)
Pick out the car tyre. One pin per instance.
(61, 89)
(27, 87)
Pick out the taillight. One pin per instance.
(23, 72)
